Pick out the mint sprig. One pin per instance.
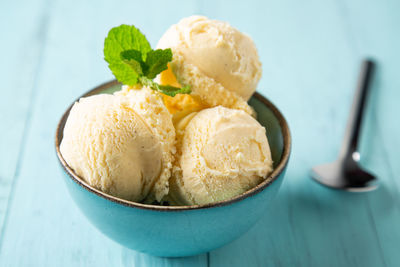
(132, 61)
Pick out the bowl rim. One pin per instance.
(287, 142)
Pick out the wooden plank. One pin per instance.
(44, 226)
(21, 45)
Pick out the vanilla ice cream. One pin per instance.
(220, 63)
(122, 144)
(221, 153)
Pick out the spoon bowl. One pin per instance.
(345, 174)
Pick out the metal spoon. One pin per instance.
(345, 173)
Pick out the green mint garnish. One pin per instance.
(132, 61)
(165, 89)
(157, 61)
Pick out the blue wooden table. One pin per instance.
(51, 52)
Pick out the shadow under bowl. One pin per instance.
(176, 231)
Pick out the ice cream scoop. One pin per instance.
(121, 144)
(220, 63)
(221, 153)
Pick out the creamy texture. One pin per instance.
(121, 144)
(130, 143)
(219, 62)
(222, 153)
(149, 105)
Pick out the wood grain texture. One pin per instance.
(310, 51)
(22, 50)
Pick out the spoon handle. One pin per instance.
(350, 142)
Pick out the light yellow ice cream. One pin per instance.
(140, 145)
(221, 153)
(220, 63)
(122, 144)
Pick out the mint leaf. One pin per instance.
(157, 61)
(123, 72)
(172, 90)
(132, 54)
(133, 58)
(132, 61)
(120, 39)
(165, 89)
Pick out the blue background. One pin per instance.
(51, 52)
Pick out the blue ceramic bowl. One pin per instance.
(175, 231)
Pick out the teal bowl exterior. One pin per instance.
(176, 231)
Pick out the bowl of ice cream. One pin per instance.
(182, 164)
(175, 231)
